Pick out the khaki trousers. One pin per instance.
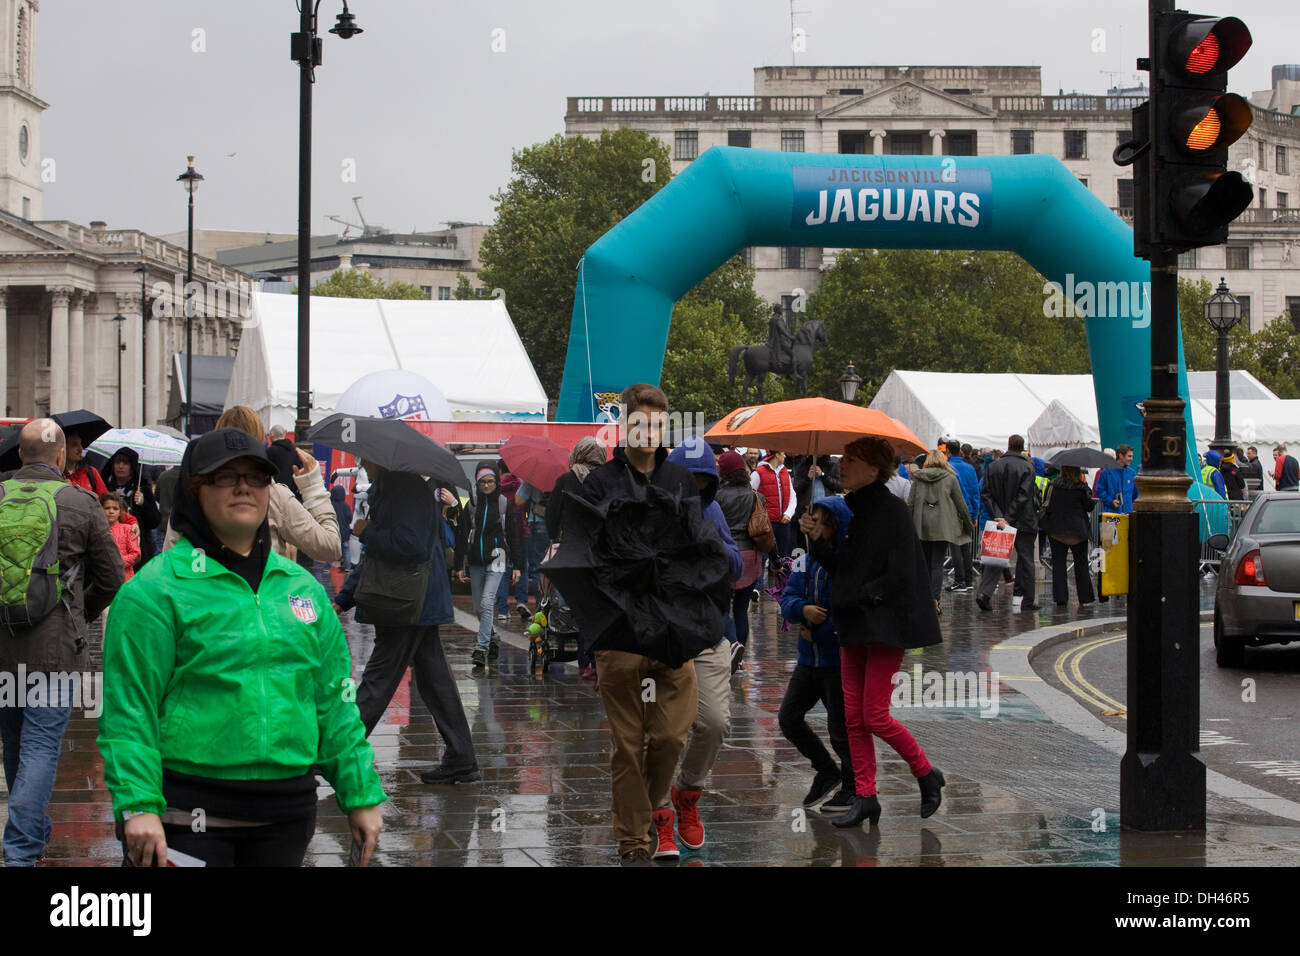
(712, 723)
(650, 708)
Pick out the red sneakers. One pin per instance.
(689, 827)
(667, 848)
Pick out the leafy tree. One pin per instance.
(563, 195)
(360, 284)
(695, 362)
(1200, 341)
(1273, 357)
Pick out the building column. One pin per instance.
(77, 350)
(878, 142)
(4, 349)
(59, 356)
(156, 361)
(128, 305)
(936, 135)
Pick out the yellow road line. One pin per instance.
(1074, 687)
(1078, 673)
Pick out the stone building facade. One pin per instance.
(973, 111)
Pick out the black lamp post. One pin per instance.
(305, 49)
(189, 180)
(1222, 311)
(143, 269)
(119, 320)
(849, 383)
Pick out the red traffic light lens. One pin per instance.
(1203, 58)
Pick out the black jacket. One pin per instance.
(1066, 512)
(284, 455)
(1008, 491)
(479, 533)
(803, 484)
(879, 579)
(1234, 480)
(555, 508)
(147, 513)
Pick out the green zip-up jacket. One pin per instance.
(204, 677)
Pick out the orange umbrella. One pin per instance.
(811, 426)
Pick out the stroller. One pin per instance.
(553, 632)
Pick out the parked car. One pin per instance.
(1257, 600)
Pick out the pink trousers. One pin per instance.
(866, 673)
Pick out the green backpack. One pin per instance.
(31, 585)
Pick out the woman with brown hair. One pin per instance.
(311, 526)
(940, 515)
(882, 607)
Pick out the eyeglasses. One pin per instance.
(487, 481)
(228, 479)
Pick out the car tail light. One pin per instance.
(1250, 570)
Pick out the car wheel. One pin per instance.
(1228, 651)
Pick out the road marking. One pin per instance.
(1075, 669)
(1080, 687)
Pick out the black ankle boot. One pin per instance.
(862, 808)
(931, 795)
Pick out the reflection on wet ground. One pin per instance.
(1021, 791)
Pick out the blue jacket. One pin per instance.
(697, 457)
(1116, 481)
(970, 483)
(810, 583)
(1212, 459)
(406, 525)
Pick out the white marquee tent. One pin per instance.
(469, 349)
(1058, 411)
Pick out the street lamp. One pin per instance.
(1222, 311)
(119, 319)
(189, 181)
(305, 49)
(849, 383)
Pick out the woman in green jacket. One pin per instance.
(939, 513)
(227, 680)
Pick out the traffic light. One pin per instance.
(1193, 121)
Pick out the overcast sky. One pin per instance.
(429, 114)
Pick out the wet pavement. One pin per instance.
(1023, 788)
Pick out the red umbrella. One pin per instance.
(536, 460)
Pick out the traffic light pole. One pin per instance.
(1162, 777)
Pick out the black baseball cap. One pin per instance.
(223, 446)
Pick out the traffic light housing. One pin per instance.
(1193, 121)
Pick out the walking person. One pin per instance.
(882, 608)
(939, 515)
(1010, 498)
(126, 537)
(772, 480)
(1066, 511)
(806, 602)
(339, 501)
(712, 723)
(736, 499)
(963, 556)
(219, 629)
(588, 453)
(1286, 472)
(122, 476)
(51, 641)
(531, 503)
(488, 540)
(405, 528)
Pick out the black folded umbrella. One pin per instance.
(1082, 458)
(642, 575)
(390, 443)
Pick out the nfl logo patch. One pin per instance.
(303, 609)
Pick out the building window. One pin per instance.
(27, 208)
(738, 137)
(1263, 155)
(1022, 141)
(1263, 197)
(1281, 160)
(427, 290)
(1125, 188)
(1283, 200)
(1076, 144)
(1245, 309)
(444, 293)
(1293, 309)
(905, 144)
(1238, 257)
(960, 144)
(747, 256)
(1187, 260)
(1083, 182)
(791, 257)
(792, 141)
(687, 144)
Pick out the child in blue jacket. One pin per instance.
(806, 601)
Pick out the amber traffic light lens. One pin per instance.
(1206, 133)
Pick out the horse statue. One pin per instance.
(759, 361)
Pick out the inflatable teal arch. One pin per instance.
(731, 197)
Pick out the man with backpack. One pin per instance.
(57, 532)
